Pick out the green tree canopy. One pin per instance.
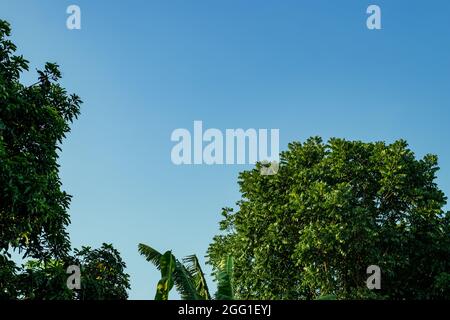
(103, 274)
(331, 211)
(103, 277)
(34, 119)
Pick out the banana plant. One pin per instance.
(187, 276)
(224, 280)
(167, 267)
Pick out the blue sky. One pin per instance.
(146, 68)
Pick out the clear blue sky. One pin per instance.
(145, 68)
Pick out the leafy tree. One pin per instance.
(102, 277)
(187, 277)
(8, 272)
(34, 214)
(33, 121)
(331, 211)
(43, 280)
(103, 274)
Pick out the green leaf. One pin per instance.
(224, 280)
(167, 266)
(197, 275)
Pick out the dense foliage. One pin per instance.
(331, 211)
(34, 120)
(103, 274)
(102, 277)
